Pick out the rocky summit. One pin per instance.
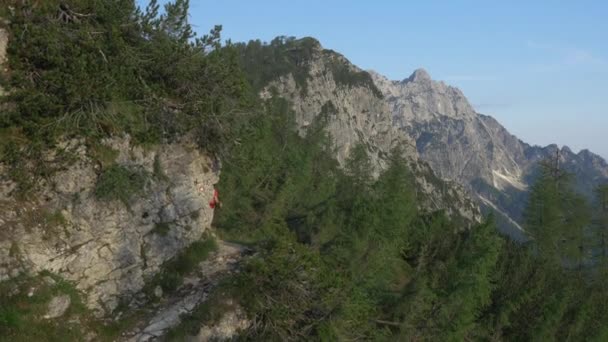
(475, 150)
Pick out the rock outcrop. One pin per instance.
(226, 329)
(418, 98)
(355, 113)
(108, 249)
(58, 306)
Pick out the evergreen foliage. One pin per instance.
(265, 62)
(120, 183)
(557, 216)
(95, 68)
(340, 255)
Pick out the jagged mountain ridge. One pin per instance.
(475, 150)
(435, 123)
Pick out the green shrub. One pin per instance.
(345, 76)
(265, 62)
(194, 254)
(52, 222)
(208, 312)
(114, 70)
(21, 315)
(14, 250)
(174, 270)
(120, 183)
(103, 154)
(55, 219)
(10, 136)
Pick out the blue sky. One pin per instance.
(539, 67)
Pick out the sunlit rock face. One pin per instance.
(108, 249)
(359, 114)
(475, 150)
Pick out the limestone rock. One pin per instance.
(229, 326)
(58, 306)
(158, 292)
(107, 248)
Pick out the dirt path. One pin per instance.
(194, 291)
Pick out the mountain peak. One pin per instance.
(419, 75)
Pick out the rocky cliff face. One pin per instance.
(459, 144)
(357, 113)
(474, 149)
(106, 247)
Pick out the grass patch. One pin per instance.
(120, 183)
(137, 121)
(174, 270)
(19, 170)
(27, 163)
(103, 154)
(50, 222)
(22, 316)
(10, 136)
(55, 219)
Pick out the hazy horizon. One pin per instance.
(537, 68)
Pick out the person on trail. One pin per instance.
(215, 201)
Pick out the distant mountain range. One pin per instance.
(474, 149)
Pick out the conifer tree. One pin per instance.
(556, 216)
(601, 225)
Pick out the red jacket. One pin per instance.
(215, 200)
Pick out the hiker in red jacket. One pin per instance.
(215, 200)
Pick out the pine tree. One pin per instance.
(601, 225)
(556, 216)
